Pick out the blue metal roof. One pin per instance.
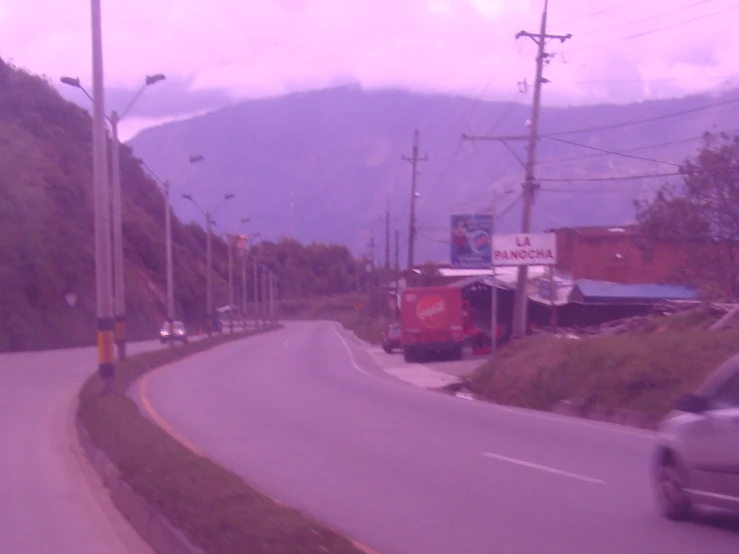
(605, 289)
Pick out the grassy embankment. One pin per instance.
(633, 378)
(215, 509)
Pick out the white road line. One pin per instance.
(543, 468)
(525, 412)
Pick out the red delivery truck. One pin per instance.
(438, 321)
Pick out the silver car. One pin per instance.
(697, 461)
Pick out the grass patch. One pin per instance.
(215, 508)
(637, 372)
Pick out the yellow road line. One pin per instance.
(149, 408)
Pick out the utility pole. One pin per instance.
(387, 236)
(168, 252)
(397, 270)
(414, 159)
(208, 275)
(244, 300)
(256, 291)
(530, 185)
(118, 280)
(103, 277)
(265, 294)
(230, 282)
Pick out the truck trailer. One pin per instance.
(438, 321)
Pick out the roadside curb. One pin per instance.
(156, 530)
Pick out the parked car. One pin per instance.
(179, 333)
(697, 459)
(392, 338)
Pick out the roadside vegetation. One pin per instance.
(214, 508)
(631, 378)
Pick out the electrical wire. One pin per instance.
(633, 149)
(660, 80)
(652, 31)
(600, 179)
(611, 151)
(598, 12)
(642, 121)
(646, 18)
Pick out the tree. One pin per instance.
(703, 213)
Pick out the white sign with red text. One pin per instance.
(525, 249)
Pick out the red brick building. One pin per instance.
(617, 254)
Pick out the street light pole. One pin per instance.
(167, 187)
(104, 300)
(208, 276)
(115, 207)
(209, 258)
(118, 278)
(169, 261)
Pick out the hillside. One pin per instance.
(336, 153)
(46, 228)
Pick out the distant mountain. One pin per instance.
(323, 165)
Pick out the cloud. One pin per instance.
(620, 50)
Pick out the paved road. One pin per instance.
(50, 498)
(304, 415)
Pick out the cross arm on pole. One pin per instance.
(536, 37)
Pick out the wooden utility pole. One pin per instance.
(397, 270)
(387, 236)
(414, 159)
(529, 186)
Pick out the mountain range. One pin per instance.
(326, 165)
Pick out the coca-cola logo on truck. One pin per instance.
(431, 311)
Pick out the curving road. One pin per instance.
(306, 416)
(52, 501)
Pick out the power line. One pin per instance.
(599, 179)
(598, 12)
(652, 31)
(633, 149)
(646, 18)
(642, 121)
(660, 80)
(611, 152)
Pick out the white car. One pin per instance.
(179, 333)
(697, 461)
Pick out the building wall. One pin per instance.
(617, 256)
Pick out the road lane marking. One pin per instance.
(161, 422)
(552, 417)
(543, 468)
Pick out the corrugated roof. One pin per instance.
(605, 289)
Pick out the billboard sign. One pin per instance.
(525, 249)
(470, 241)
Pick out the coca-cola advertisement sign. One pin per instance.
(431, 311)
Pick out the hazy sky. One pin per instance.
(215, 52)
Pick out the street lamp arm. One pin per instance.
(150, 80)
(226, 197)
(156, 177)
(191, 199)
